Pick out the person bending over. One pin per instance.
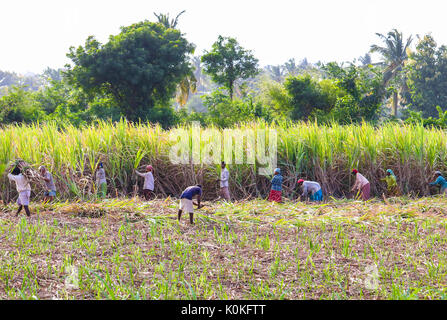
(311, 189)
(186, 203)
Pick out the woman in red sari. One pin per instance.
(276, 191)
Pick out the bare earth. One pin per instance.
(130, 249)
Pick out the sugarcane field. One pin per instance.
(222, 160)
(118, 242)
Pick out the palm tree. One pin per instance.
(290, 67)
(164, 19)
(188, 84)
(394, 55)
(366, 59)
(276, 72)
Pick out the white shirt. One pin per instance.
(310, 186)
(100, 176)
(148, 180)
(224, 177)
(22, 183)
(360, 181)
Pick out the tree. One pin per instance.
(366, 59)
(427, 77)
(228, 61)
(140, 67)
(291, 68)
(275, 72)
(305, 96)
(359, 93)
(394, 55)
(224, 112)
(188, 84)
(164, 19)
(18, 106)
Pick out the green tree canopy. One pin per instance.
(140, 67)
(228, 61)
(427, 77)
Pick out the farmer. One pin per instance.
(148, 187)
(275, 192)
(49, 183)
(101, 182)
(311, 188)
(23, 188)
(186, 201)
(224, 177)
(440, 181)
(361, 185)
(392, 188)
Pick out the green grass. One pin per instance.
(129, 249)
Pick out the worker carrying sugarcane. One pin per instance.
(310, 189)
(276, 190)
(361, 185)
(148, 187)
(23, 188)
(440, 181)
(47, 177)
(101, 182)
(186, 203)
(391, 181)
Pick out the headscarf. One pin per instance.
(354, 171)
(149, 167)
(278, 170)
(438, 173)
(391, 172)
(300, 181)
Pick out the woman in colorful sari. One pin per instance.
(361, 185)
(276, 191)
(392, 188)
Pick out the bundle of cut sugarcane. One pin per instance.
(30, 174)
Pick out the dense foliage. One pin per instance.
(138, 68)
(147, 73)
(427, 77)
(228, 61)
(326, 153)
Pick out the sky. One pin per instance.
(35, 34)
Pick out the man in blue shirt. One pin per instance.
(186, 201)
(440, 181)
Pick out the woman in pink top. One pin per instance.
(361, 185)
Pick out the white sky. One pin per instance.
(35, 34)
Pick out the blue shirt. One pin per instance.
(277, 182)
(440, 181)
(191, 192)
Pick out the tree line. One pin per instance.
(148, 72)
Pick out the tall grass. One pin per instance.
(325, 153)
